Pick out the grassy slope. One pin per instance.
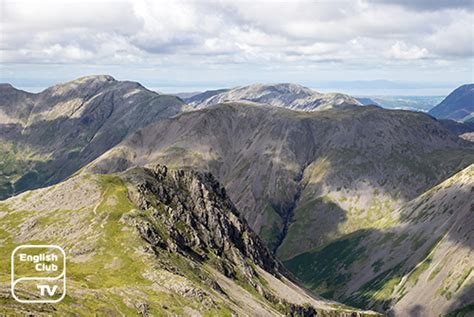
(115, 249)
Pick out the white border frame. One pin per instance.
(62, 275)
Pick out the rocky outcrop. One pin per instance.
(196, 218)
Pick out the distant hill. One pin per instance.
(458, 105)
(289, 96)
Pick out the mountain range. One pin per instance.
(364, 205)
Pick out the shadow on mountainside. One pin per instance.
(55, 149)
(368, 267)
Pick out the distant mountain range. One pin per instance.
(301, 98)
(289, 96)
(458, 105)
(362, 204)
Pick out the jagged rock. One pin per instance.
(198, 218)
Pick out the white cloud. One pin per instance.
(455, 39)
(400, 50)
(262, 34)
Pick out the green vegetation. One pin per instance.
(272, 227)
(422, 267)
(116, 245)
(466, 273)
(324, 269)
(306, 221)
(19, 169)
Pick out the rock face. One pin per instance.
(48, 136)
(198, 217)
(458, 105)
(422, 264)
(152, 242)
(302, 179)
(289, 96)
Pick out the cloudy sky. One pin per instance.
(194, 45)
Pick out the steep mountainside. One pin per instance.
(458, 105)
(151, 242)
(302, 179)
(422, 265)
(289, 96)
(46, 137)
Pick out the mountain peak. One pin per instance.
(85, 83)
(104, 78)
